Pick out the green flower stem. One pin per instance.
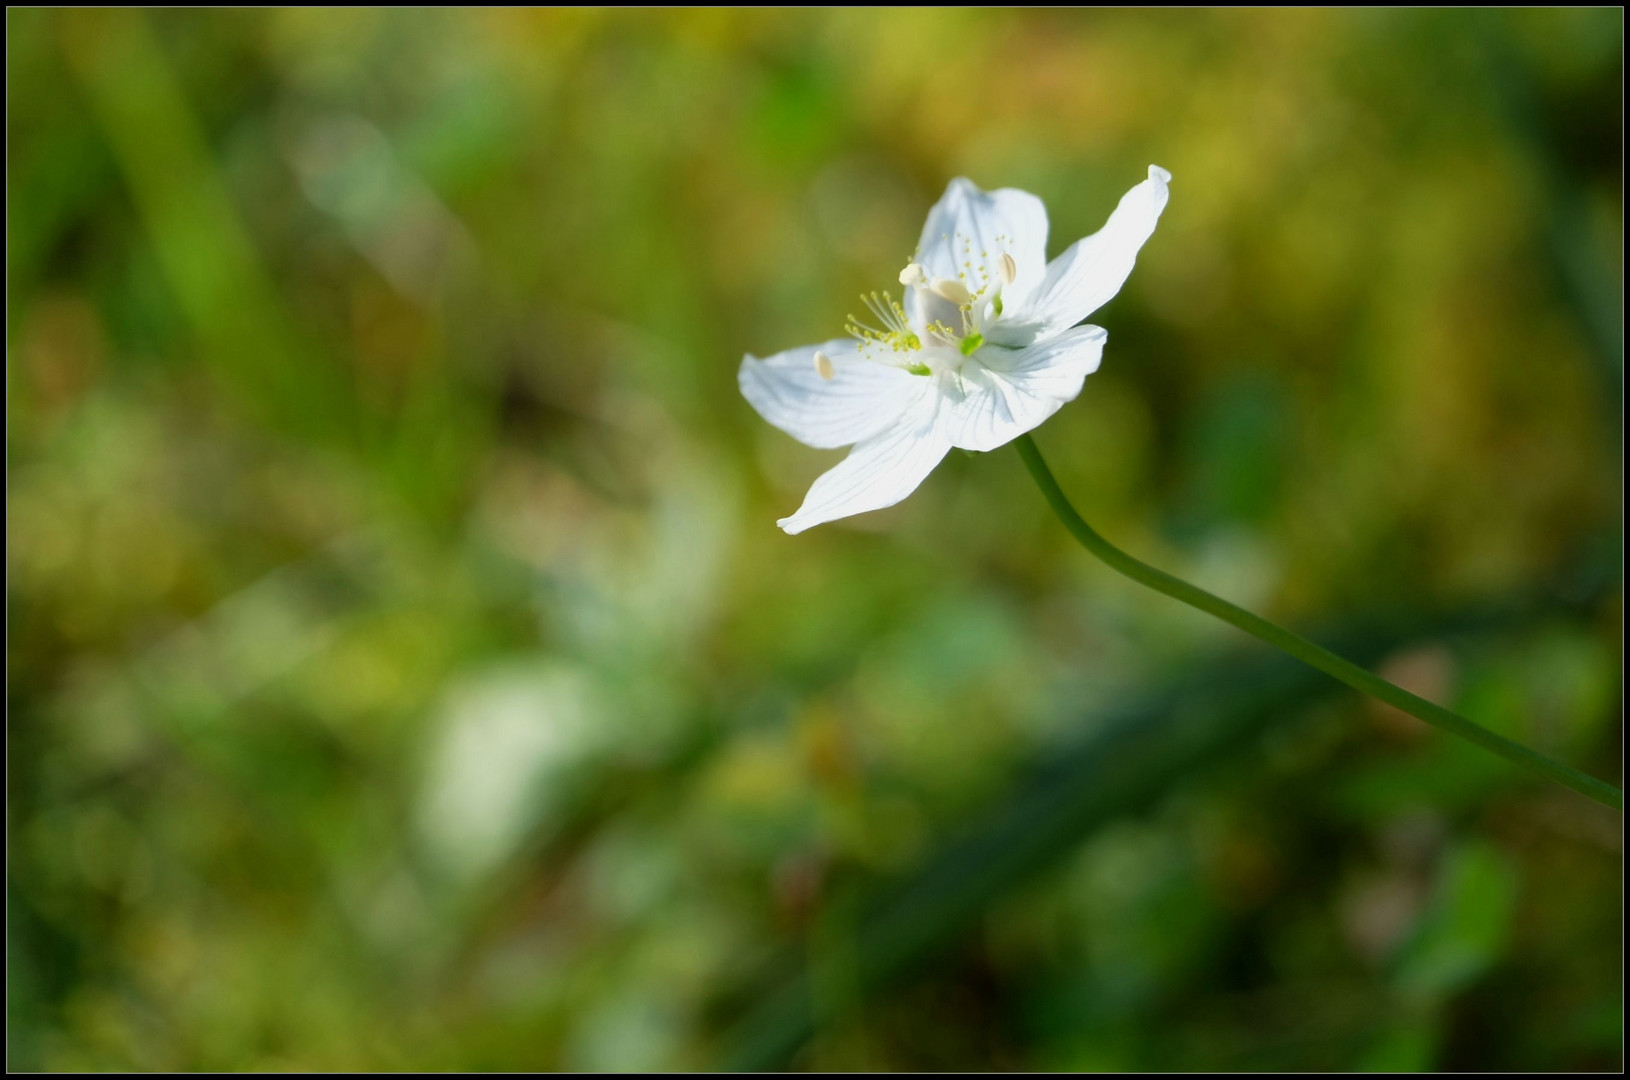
(1304, 650)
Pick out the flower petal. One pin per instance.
(861, 398)
(1010, 391)
(878, 472)
(968, 230)
(1090, 271)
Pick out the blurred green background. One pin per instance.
(405, 670)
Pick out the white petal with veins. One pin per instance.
(879, 471)
(1090, 271)
(1007, 392)
(968, 230)
(860, 399)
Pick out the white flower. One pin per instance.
(984, 347)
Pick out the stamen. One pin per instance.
(896, 333)
(823, 365)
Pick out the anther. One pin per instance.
(823, 366)
(913, 274)
(1010, 269)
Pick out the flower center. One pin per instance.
(942, 313)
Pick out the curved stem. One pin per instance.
(1304, 650)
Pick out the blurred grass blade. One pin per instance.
(1116, 772)
(1126, 766)
(1586, 278)
(205, 253)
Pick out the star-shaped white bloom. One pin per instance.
(984, 347)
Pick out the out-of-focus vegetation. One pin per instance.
(405, 670)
